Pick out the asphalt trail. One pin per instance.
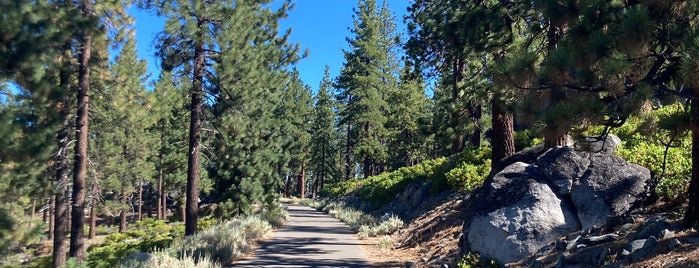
(309, 239)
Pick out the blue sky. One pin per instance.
(320, 26)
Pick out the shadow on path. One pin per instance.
(309, 239)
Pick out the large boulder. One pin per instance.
(526, 206)
(516, 214)
(609, 189)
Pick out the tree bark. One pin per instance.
(503, 141)
(348, 150)
(93, 222)
(49, 217)
(691, 216)
(192, 202)
(302, 180)
(77, 247)
(475, 112)
(140, 199)
(457, 144)
(61, 222)
(161, 195)
(93, 212)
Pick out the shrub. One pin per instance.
(474, 260)
(275, 213)
(147, 235)
(162, 259)
(674, 179)
(228, 241)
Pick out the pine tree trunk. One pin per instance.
(93, 222)
(691, 216)
(140, 199)
(367, 167)
(475, 112)
(77, 231)
(348, 154)
(161, 194)
(302, 180)
(32, 215)
(503, 141)
(192, 202)
(93, 211)
(122, 221)
(163, 205)
(457, 144)
(59, 228)
(49, 217)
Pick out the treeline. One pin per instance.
(230, 122)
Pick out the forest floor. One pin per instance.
(432, 239)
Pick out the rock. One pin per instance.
(514, 215)
(598, 144)
(674, 244)
(562, 166)
(638, 249)
(527, 206)
(665, 234)
(653, 227)
(610, 188)
(601, 239)
(410, 264)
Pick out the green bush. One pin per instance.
(475, 260)
(678, 170)
(146, 235)
(275, 213)
(473, 168)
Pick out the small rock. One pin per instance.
(674, 244)
(424, 259)
(596, 240)
(665, 234)
(638, 249)
(410, 264)
(444, 265)
(652, 228)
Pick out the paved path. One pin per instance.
(309, 239)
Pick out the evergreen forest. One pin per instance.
(89, 147)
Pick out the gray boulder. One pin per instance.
(598, 144)
(518, 216)
(608, 190)
(525, 207)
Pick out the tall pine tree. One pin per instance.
(368, 74)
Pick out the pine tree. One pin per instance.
(188, 45)
(323, 135)
(368, 73)
(171, 160)
(123, 114)
(249, 148)
(295, 111)
(405, 114)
